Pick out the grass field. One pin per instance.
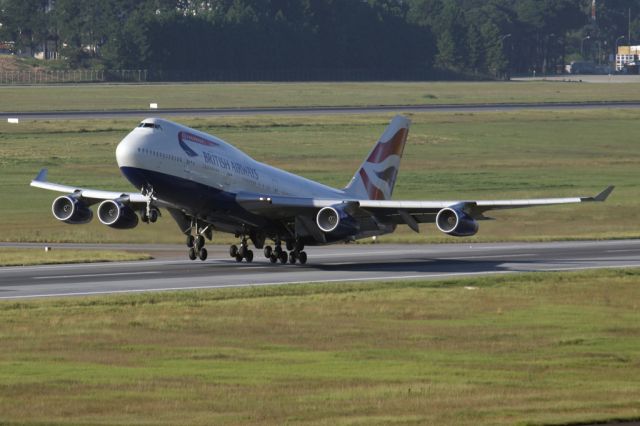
(527, 349)
(237, 95)
(460, 156)
(23, 257)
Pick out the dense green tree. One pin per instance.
(26, 22)
(310, 39)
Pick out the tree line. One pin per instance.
(309, 39)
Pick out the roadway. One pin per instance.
(344, 263)
(213, 112)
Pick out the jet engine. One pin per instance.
(70, 209)
(456, 223)
(117, 215)
(336, 221)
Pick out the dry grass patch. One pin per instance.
(23, 257)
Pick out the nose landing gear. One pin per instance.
(150, 213)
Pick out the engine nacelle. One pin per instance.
(336, 222)
(117, 215)
(456, 223)
(69, 209)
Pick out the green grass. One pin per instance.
(238, 95)
(22, 257)
(527, 349)
(448, 156)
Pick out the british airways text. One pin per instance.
(223, 163)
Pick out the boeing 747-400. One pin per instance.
(207, 185)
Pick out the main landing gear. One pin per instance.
(296, 253)
(196, 247)
(243, 252)
(196, 243)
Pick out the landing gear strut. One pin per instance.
(150, 213)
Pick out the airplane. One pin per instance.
(207, 184)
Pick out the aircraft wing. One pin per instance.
(396, 211)
(90, 194)
(478, 207)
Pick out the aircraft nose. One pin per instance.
(126, 152)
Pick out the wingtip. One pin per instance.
(604, 194)
(42, 175)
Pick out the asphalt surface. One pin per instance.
(213, 112)
(326, 264)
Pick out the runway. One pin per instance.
(345, 263)
(214, 112)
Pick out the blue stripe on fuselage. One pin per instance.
(196, 198)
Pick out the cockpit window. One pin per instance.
(150, 125)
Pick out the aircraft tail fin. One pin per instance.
(376, 177)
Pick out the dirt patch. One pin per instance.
(10, 63)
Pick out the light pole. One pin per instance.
(615, 54)
(501, 40)
(582, 46)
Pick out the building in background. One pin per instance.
(627, 57)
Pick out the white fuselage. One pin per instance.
(158, 146)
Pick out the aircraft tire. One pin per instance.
(273, 258)
(302, 257)
(233, 250)
(153, 215)
(192, 253)
(190, 241)
(283, 257)
(199, 242)
(238, 258)
(292, 258)
(202, 254)
(268, 251)
(249, 256)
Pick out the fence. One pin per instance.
(29, 77)
(288, 74)
(71, 76)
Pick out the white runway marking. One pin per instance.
(116, 274)
(493, 256)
